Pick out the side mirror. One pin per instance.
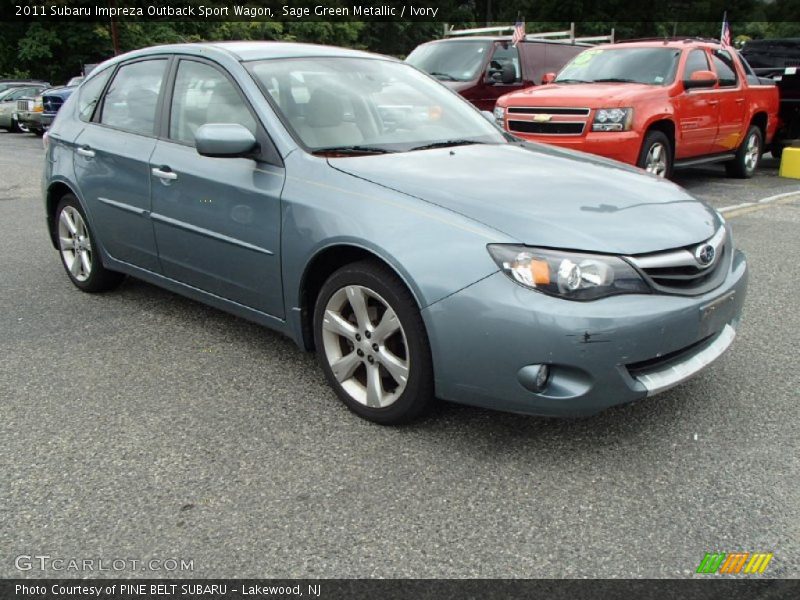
(548, 78)
(700, 79)
(224, 140)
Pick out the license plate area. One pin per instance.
(715, 314)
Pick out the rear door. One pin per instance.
(732, 109)
(217, 220)
(112, 161)
(697, 111)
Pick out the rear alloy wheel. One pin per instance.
(372, 344)
(78, 254)
(747, 156)
(656, 155)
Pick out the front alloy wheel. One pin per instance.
(372, 344)
(656, 155)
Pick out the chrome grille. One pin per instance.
(548, 110)
(681, 271)
(24, 105)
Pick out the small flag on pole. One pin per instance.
(725, 34)
(519, 32)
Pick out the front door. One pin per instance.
(217, 220)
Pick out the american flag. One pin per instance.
(519, 32)
(725, 35)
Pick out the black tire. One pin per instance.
(418, 392)
(777, 150)
(99, 278)
(651, 140)
(745, 164)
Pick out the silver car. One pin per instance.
(358, 206)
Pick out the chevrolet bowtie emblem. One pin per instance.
(542, 118)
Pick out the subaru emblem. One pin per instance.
(705, 254)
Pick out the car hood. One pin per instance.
(545, 196)
(585, 95)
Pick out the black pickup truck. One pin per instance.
(779, 60)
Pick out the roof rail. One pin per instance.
(567, 35)
(684, 39)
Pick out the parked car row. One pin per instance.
(656, 104)
(32, 106)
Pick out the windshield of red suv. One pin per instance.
(457, 60)
(651, 66)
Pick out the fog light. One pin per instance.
(534, 377)
(541, 378)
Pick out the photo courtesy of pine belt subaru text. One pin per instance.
(362, 208)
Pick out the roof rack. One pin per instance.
(567, 35)
(665, 39)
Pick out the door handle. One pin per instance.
(85, 151)
(740, 101)
(713, 102)
(164, 173)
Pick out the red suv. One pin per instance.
(655, 104)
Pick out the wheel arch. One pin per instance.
(324, 263)
(760, 120)
(56, 190)
(665, 126)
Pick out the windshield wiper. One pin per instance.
(615, 80)
(445, 144)
(353, 150)
(445, 76)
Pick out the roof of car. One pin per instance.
(246, 51)
(664, 43)
(505, 38)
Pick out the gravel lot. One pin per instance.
(139, 424)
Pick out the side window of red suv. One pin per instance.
(696, 61)
(726, 72)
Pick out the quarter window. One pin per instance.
(90, 94)
(202, 95)
(696, 61)
(130, 102)
(726, 72)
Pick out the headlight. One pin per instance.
(570, 275)
(499, 114)
(612, 119)
(37, 105)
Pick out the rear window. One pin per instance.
(90, 94)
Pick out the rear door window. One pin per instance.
(131, 99)
(726, 72)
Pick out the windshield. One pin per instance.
(368, 104)
(450, 61)
(652, 66)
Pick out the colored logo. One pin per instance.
(734, 563)
(705, 254)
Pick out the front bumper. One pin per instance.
(601, 353)
(623, 146)
(32, 120)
